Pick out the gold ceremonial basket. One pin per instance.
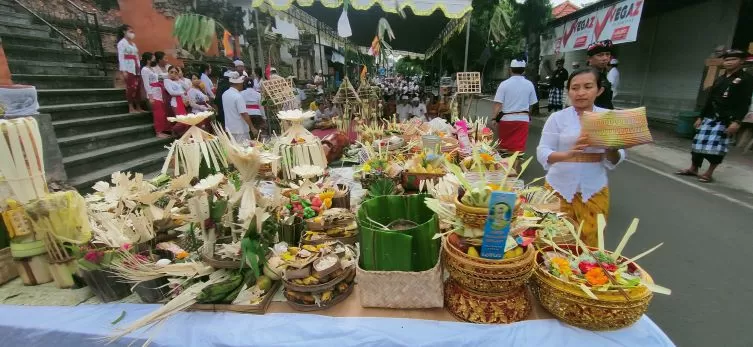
(569, 303)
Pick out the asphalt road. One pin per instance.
(705, 258)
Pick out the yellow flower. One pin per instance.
(494, 187)
(486, 157)
(366, 167)
(181, 255)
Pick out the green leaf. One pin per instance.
(120, 318)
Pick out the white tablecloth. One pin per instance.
(85, 326)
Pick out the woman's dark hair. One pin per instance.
(145, 58)
(204, 67)
(159, 55)
(258, 72)
(585, 70)
(122, 31)
(190, 75)
(518, 70)
(172, 67)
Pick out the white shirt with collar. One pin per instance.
(404, 111)
(208, 85)
(233, 105)
(613, 76)
(560, 133)
(153, 90)
(516, 94)
(252, 97)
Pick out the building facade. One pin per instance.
(664, 69)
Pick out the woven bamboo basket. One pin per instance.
(487, 275)
(401, 289)
(569, 303)
(617, 128)
(471, 306)
(474, 217)
(411, 181)
(8, 270)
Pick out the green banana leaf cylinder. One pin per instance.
(410, 247)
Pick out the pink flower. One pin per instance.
(125, 246)
(94, 256)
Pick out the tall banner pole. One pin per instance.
(467, 39)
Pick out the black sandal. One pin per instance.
(686, 173)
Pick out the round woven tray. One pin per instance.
(471, 306)
(487, 275)
(350, 240)
(221, 264)
(473, 217)
(348, 273)
(306, 308)
(569, 303)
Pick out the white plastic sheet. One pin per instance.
(85, 325)
(19, 100)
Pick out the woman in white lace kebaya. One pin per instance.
(577, 172)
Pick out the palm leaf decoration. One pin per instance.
(500, 26)
(381, 187)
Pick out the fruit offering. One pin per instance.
(317, 275)
(425, 163)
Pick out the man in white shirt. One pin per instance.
(240, 68)
(404, 109)
(512, 104)
(237, 121)
(419, 108)
(206, 70)
(614, 76)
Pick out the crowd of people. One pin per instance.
(172, 90)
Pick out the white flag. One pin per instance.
(343, 25)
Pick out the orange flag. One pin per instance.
(374, 49)
(226, 42)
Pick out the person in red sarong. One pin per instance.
(129, 66)
(154, 91)
(512, 104)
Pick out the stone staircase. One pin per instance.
(96, 134)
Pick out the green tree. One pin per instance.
(409, 67)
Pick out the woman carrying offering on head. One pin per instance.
(577, 172)
(129, 66)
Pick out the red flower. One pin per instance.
(610, 267)
(585, 266)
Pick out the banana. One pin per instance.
(219, 291)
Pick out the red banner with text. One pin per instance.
(618, 22)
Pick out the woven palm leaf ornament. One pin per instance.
(297, 146)
(22, 175)
(617, 128)
(187, 152)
